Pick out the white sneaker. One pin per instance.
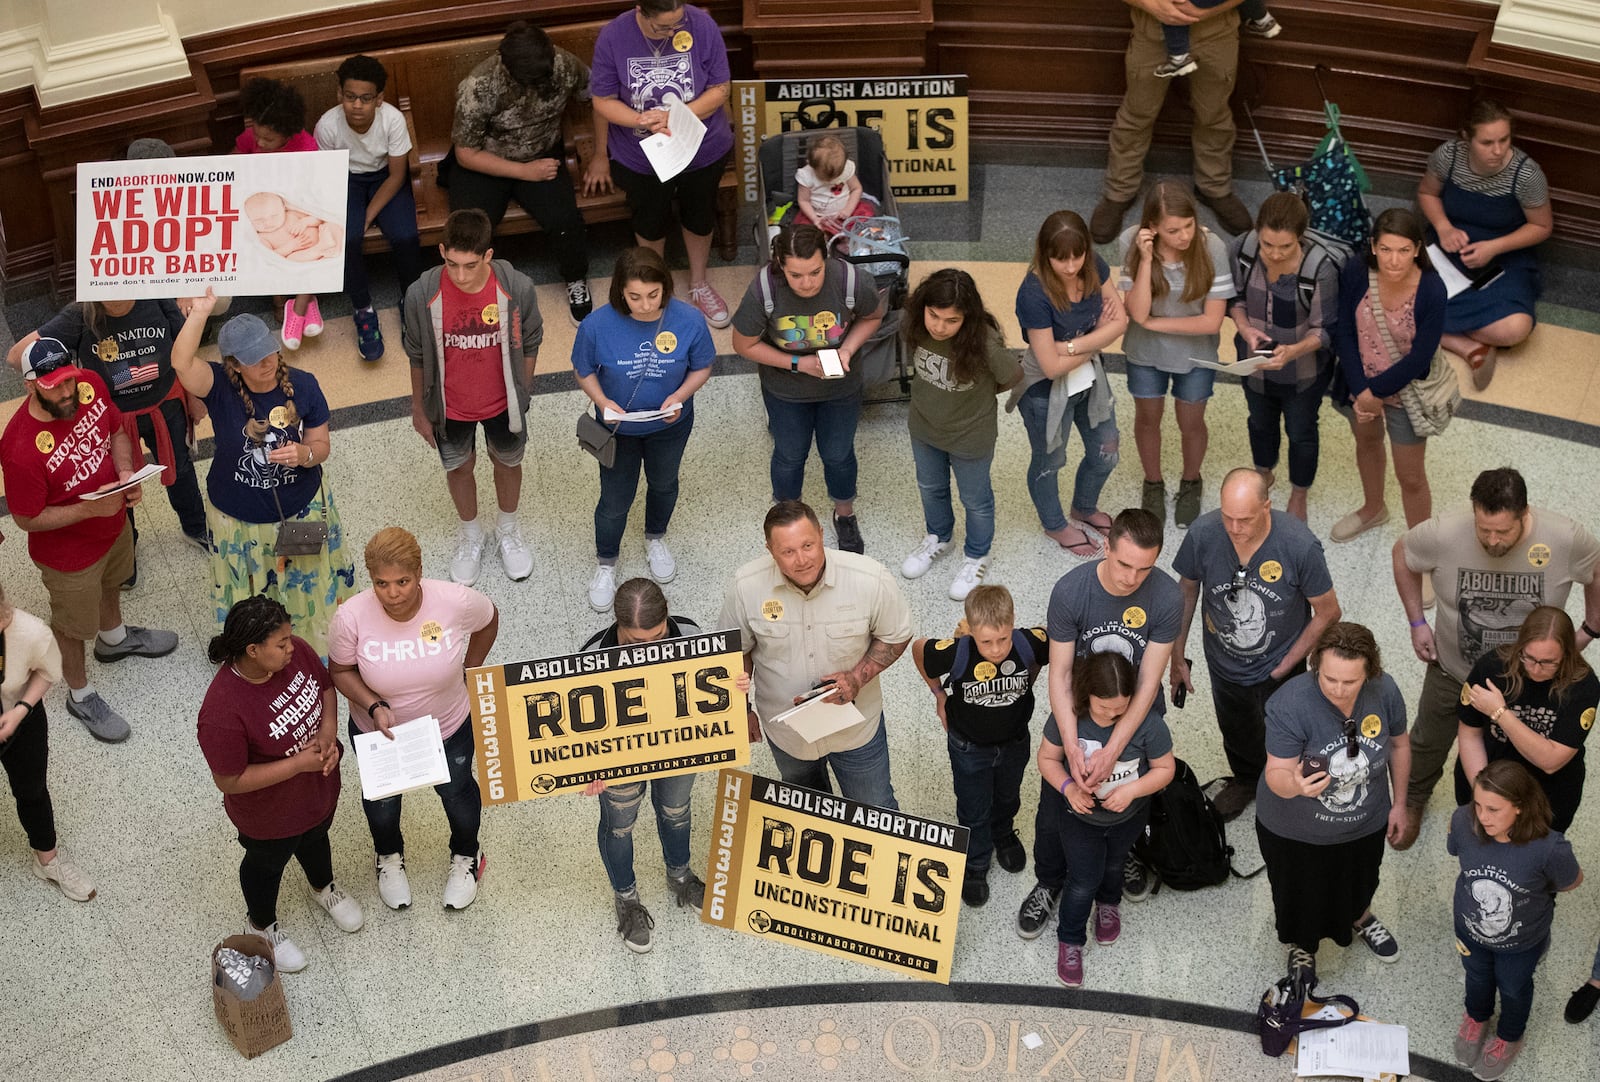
(968, 578)
(467, 564)
(663, 568)
(461, 885)
(285, 955)
(345, 910)
(393, 886)
(917, 564)
(603, 587)
(65, 875)
(514, 554)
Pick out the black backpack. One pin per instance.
(1184, 842)
(1320, 248)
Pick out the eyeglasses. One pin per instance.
(1239, 577)
(1350, 747)
(363, 99)
(663, 31)
(1538, 662)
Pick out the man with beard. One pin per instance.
(1489, 568)
(814, 617)
(65, 443)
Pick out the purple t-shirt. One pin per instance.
(640, 72)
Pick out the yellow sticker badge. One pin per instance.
(431, 631)
(490, 315)
(1038, 633)
(1539, 554)
(45, 442)
(1462, 950)
(279, 417)
(85, 392)
(943, 644)
(107, 350)
(1466, 694)
(1586, 719)
(772, 610)
(1371, 726)
(984, 670)
(1133, 616)
(682, 41)
(1271, 571)
(666, 342)
(824, 321)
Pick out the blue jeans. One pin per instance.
(1095, 855)
(1177, 37)
(1049, 859)
(1099, 455)
(660, 454)
(463, 806)
(619, 811)
(1511, 974)
(1297, 411)
(934, 468)
(793, 424)
(863, 772)
(988, 784)
(397, 221)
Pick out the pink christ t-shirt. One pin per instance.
(418, 665)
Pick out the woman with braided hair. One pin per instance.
(271, 425)
(269, 726)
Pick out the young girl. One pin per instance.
(1175, 316)
(278, 123)
(1100, 832)
(1069, 311)
(829, 191)
(1512, 866)
(961, 363)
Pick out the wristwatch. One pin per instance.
(794, 362)
(1072, 347)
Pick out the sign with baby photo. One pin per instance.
(247, 225)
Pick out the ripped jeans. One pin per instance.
(463, 805)
(619, 811)
(1099, 455)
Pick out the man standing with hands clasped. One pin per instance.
(811, 617)
(67, 441)
(1263, 585)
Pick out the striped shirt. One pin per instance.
(1270, 305)
(1521, 176)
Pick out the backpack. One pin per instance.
(1280, 1015)
(1020, 642)
(1320, 248)
(1184, 842)
(878, 359)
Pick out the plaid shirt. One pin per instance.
(1275, 309)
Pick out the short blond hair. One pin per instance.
(990, 606)
(394, 547)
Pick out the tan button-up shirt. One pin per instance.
(795, 638)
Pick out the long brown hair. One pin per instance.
(1545, 623)
(1169, 199)
(952, 288)
(1064, 236)
(1510, 780)
(256, 428)
(1106, 675)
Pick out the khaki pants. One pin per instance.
(1433, 733)
(1214, 43)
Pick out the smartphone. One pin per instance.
(1487, 276)
(1264, 351)
(1313, 764)
(1180, 695)
(832, 366)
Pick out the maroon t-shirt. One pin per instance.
(243, 723)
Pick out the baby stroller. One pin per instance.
(875, 245)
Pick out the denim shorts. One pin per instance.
(1395, 421)
(1192, 386)
(458, 439)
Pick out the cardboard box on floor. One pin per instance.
(256, 1025)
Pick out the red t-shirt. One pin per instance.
(300, 140)
(243, 723)
(52, 463)
(474, 369)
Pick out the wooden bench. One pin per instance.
(422, 85)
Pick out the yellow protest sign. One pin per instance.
(835, 876)
(627, 713)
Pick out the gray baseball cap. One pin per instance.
(247, 340)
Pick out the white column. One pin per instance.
(74, 49)
(1561, 27)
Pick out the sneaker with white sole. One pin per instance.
(514, 555)
(293, 327)
(287, 957)
(711, 304)
(345, 910)
(313, 319)
(603, 587)
(1176, 65)
(579, 303)
(136, 642)
(393, 886)
(634, 922)
(461, 884)
(1379, 938)
(97, 716)
(1264, 27)
(688, 890)
(1037, 909)
(969, 577)
(663, 567)
(916, 565)
(66, 876)
(467, 563)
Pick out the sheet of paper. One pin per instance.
(1081, 378)
(612, 416)
(670, 154)
(140, 476)
(1242, 367)
(819, 717)
(413, 759)
(1361, 1049)
(1454, 281)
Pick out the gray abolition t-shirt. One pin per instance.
(1083, 612)
(1248, 630)
(1176, 352)
(1300, 722)
(1505, 894)
(804, 325)
(1151, 740)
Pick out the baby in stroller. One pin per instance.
(828, 190)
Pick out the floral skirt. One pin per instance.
(310, 587)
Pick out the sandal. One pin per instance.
(1482, 362)
(1098, 521)
(1086, 544)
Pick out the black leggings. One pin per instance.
(26, 757)
(261, 870)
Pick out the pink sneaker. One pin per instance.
(313, 319)
(1069, 965)
(1107, 924)
(293, 326)
(710, 303)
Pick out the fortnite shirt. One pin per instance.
(1083, 612)
(1505, 894)
(1250, 625)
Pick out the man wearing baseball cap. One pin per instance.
(65, 443)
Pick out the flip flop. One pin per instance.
(1086, 545)
(1098, 521)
